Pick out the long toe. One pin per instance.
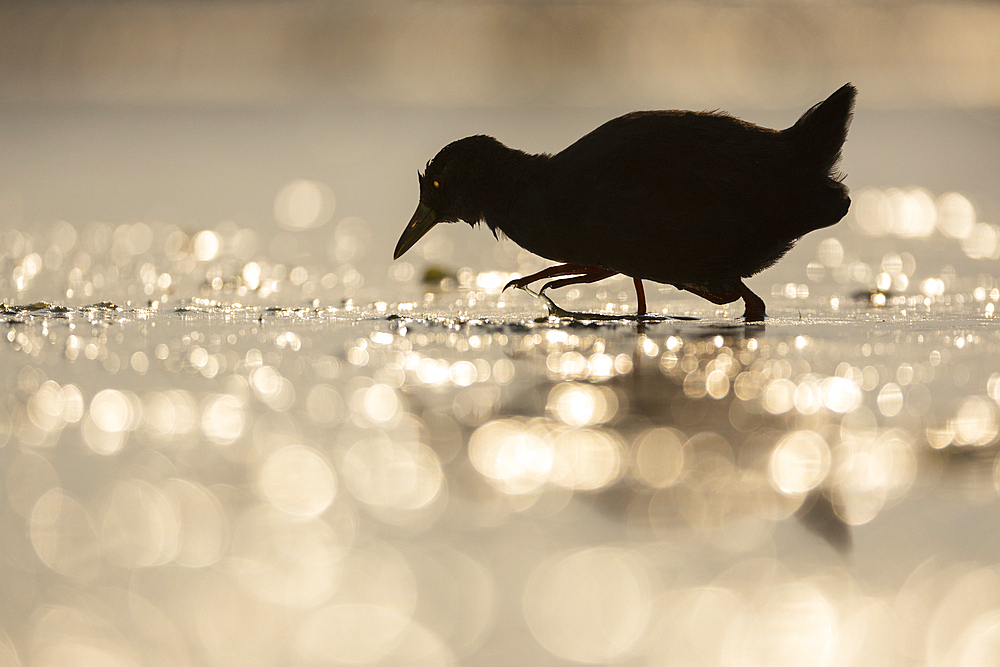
(557, 270)
(592, 275)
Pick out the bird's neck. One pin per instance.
(506, 188)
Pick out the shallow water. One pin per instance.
(209, 484)
(233, 444)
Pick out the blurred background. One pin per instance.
(198, 115)
(233, 432)
(448, 54)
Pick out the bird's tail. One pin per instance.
(821, 131)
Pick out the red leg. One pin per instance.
(754, 304)
(640, 293)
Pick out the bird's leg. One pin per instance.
(591, 276)
(581, 273)
(640, 293)
(716, 296)
(754, 304)
(552, 271)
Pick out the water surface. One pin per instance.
(252, 440)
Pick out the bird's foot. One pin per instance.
(592, 275)
(557, 311)
(578, 274)
(754, 312)
(517, 282)
(551, 272)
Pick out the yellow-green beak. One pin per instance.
(420, 224)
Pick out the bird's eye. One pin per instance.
(436, 184)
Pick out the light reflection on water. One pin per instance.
(340, 485)
(441, 475)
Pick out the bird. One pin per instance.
(695, 199)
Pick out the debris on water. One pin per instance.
(105, 305)
(38, 307)
(45, 305)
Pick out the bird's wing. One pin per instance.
(663, 193)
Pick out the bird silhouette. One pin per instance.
(697, 200)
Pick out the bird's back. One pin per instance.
(681, 197)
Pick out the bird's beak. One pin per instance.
(420, 224)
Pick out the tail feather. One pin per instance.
(822, 130)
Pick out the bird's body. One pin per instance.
(695, 200)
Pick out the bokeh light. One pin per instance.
(238, 433)
(800, 462)
(391, 481)
(297, 480)
(303, 204)
(590, 606)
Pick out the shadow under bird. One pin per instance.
(697, 200)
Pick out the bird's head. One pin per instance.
(452, 187)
